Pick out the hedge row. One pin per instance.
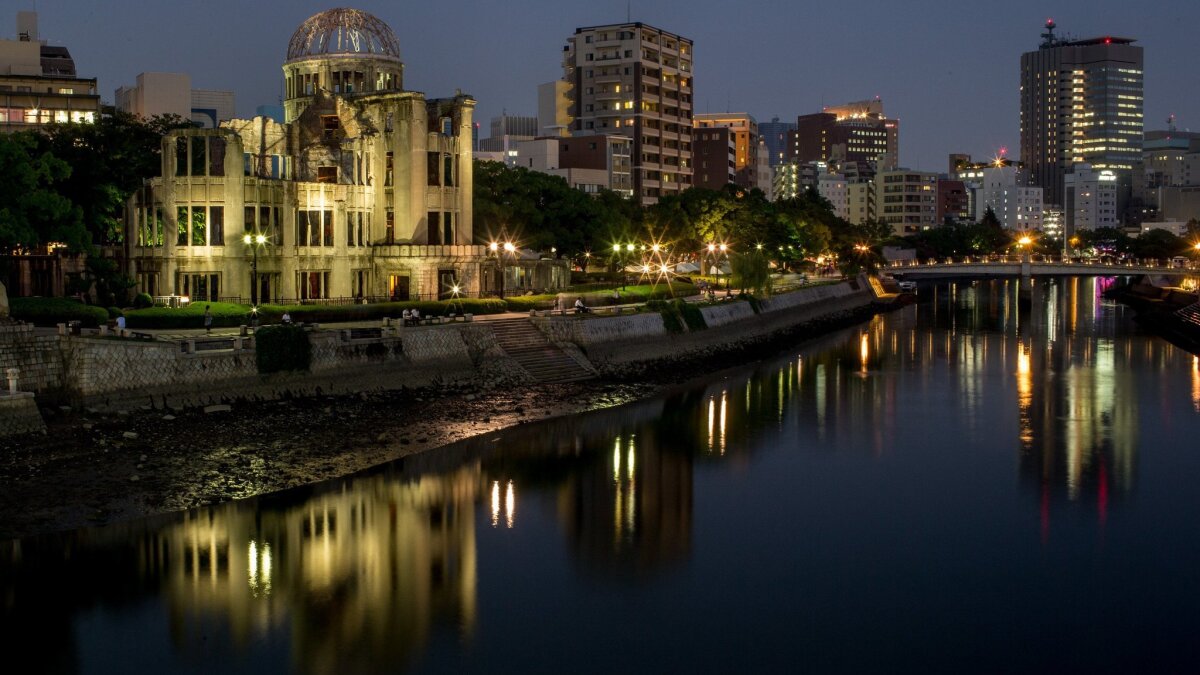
(53, 311)
(229, 315)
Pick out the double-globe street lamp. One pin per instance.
(500, 250)
(254, 241)
(713, 251)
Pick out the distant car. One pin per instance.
(908, 287)
(1179, 262)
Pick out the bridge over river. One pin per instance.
(1017, 266)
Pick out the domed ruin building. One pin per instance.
(363, 192)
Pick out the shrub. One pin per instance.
(192, 316)
(142, 301)
(375, 311)
(691, 315)
(755, 303)
(671, 320)
(524, 303)
(53, 311)
(114, 312)
(282, 348)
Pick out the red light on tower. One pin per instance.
(1108, 41)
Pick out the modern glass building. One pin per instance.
(1081, 103)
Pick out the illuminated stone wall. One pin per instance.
(35, 356)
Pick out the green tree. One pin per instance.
(541, 211)
(1158, 244)
(32, 210)
(751, 271)
(110, 159)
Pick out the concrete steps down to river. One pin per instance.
(528, 346)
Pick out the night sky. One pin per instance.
(948, 70)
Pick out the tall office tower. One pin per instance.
(774, 134)
(635, 80)
(1081, 103)
(744, 130)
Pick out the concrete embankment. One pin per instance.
(109, 373)
(622, 346)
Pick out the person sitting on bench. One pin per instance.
(581, 308)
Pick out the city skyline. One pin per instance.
(500, 54)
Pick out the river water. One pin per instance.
(985, 481)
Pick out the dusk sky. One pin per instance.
(947, 70)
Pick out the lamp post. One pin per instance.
(254, 241)
(500, 250)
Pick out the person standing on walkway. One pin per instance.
(207, 319)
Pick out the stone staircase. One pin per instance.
(528, 346)
(1190, 314)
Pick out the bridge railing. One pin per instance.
(960, 261)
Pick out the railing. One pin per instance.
(1155, 264)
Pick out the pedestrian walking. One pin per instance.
(207, 319)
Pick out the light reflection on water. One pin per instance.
(751, 496)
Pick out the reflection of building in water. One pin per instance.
(358, 575)
(631, 512)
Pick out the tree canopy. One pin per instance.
(109, 159)
(33, 211)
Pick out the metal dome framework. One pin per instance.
(343, 32)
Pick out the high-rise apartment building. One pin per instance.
(744, 131)
(1081, 102)
(635, 80)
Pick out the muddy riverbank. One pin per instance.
(92, 468)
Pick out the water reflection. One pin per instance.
(373, 573)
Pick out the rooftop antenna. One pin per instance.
(1171, 123)
(1048, 38)
(628, 11)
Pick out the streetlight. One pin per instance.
(500, 250)
(255, 241)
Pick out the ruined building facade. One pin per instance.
(363, 192)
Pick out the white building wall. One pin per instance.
(1091, 199)
(834, 188)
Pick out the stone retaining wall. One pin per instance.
(591, 331)
(19, 414)
(37, 357)
(623, 344)
(729, 312)
(108, 371)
